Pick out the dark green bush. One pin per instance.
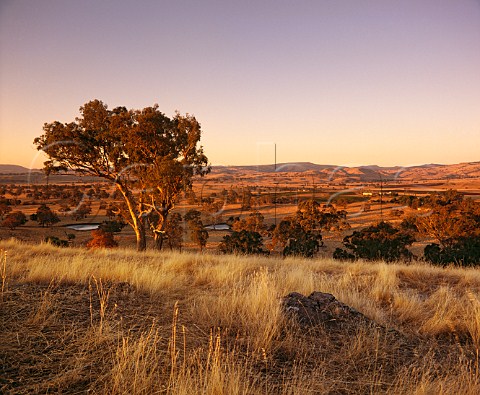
(243, 242)
(377, 242)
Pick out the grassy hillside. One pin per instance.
(115, 322)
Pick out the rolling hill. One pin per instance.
(335, 172)
(363, 173)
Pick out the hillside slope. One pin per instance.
(116, 322)
(363, 173)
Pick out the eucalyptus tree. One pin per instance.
(149, 157)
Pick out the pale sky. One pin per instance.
(346, 82)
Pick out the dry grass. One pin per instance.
(116, 322)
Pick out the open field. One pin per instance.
(368, 194)
(118, 321)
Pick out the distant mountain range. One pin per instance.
(14, 169)
(344, 173)
(363, 173)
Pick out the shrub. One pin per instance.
(296, 238)
(243, 242)
(102, 239)
(57, 242)
(463, 251)
(112, 226)
(377, 242)
(14, 219)
(302, 243)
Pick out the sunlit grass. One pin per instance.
(213, 324)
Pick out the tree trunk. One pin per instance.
(158, 238)
(141, 238)
(159, 231)
(137, 221)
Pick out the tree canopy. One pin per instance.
(150, 158)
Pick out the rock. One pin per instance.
(321, 308)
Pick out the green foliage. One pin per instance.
(150, 157)
(198, 233)
(56, 241)
(243, 242)
(302, 243)
(45, 216)
(174, 231)
(463, 251)
(112, 226)
(254, 222)
(296, 239)
(311, 217)
(301, 235)
(454, 222)
(377, 242)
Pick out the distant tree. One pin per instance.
(312, 217)
(45, 216)
(14, 219)
(397, 213)
(193, 216)
(450, 217)
(4, 208)
(409, 224)
(454, 223)
(81, 211)
(191, 197)
(111, 211)
(246, 198)
(232, 196)
(377, 242)
(254, 222)
(213, 207)
(198, 233)
(301, 235)
(174, 231)
(64, 208)
(342, 202)
(302, 244)
(243, 242)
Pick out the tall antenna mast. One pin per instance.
(275, 156)
(275, 189)
(381, 198)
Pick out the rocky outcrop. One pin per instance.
(321, 308)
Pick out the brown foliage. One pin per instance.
(102, 239)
